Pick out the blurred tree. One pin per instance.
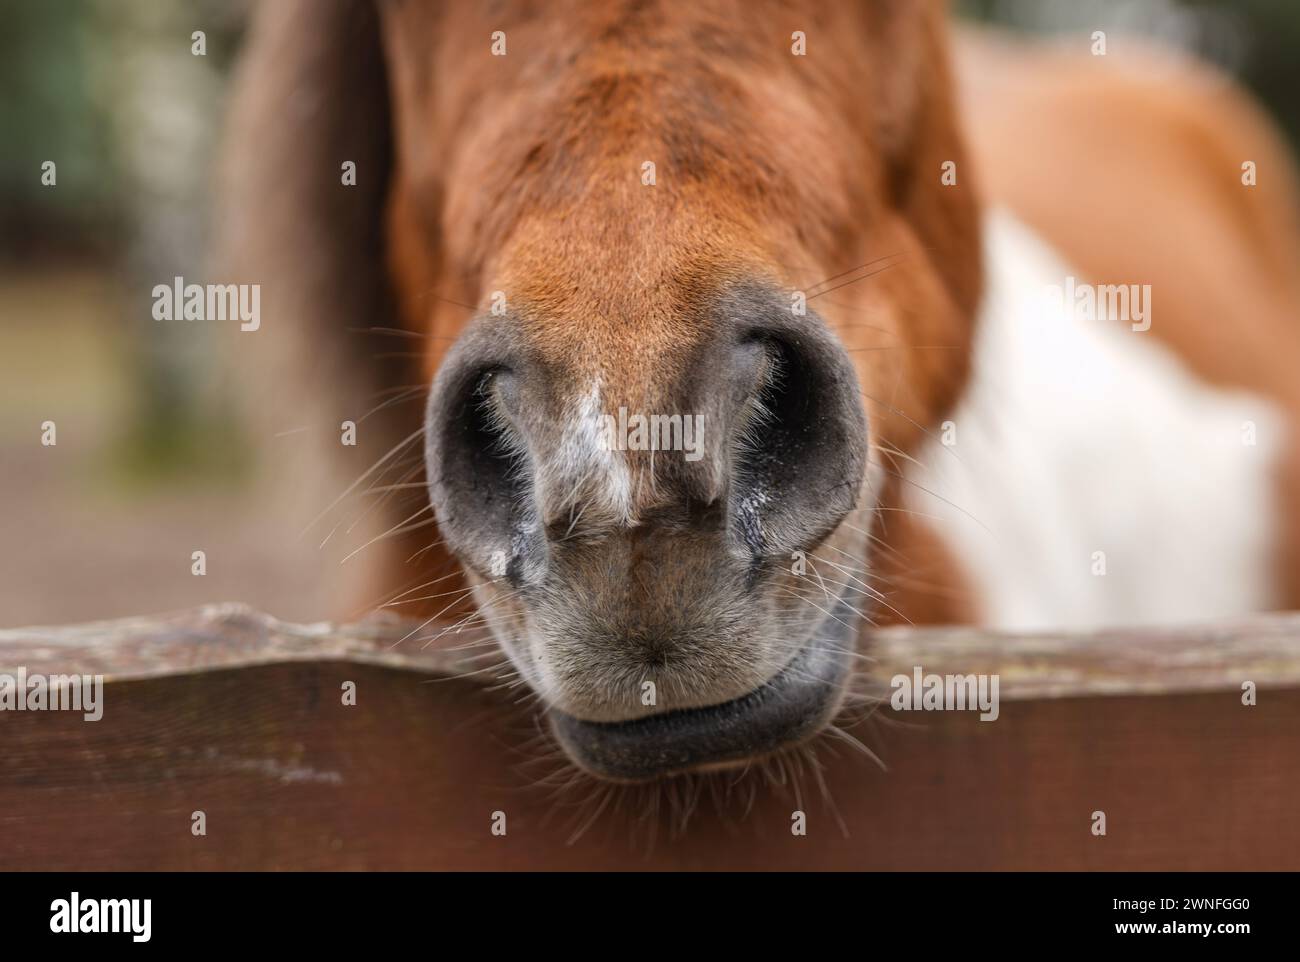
(47, 52)
(114, 95)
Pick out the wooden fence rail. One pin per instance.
(232, 714)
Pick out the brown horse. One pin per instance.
(696, 289)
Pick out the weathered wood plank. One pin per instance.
(233, 714)
(1265, 649)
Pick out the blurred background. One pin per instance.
(154, 459)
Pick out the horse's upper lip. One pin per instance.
(787, 708)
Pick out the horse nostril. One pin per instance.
(800, 462)
(478, 467)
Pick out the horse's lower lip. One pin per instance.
(796, 703)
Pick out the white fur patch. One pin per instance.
(588, 474)
(1085, 447)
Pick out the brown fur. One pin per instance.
(522, 174)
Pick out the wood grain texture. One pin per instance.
(232, 713)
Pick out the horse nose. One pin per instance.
(759, 434)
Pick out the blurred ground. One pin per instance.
(98, 526)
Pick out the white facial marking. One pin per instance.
(588, 472)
